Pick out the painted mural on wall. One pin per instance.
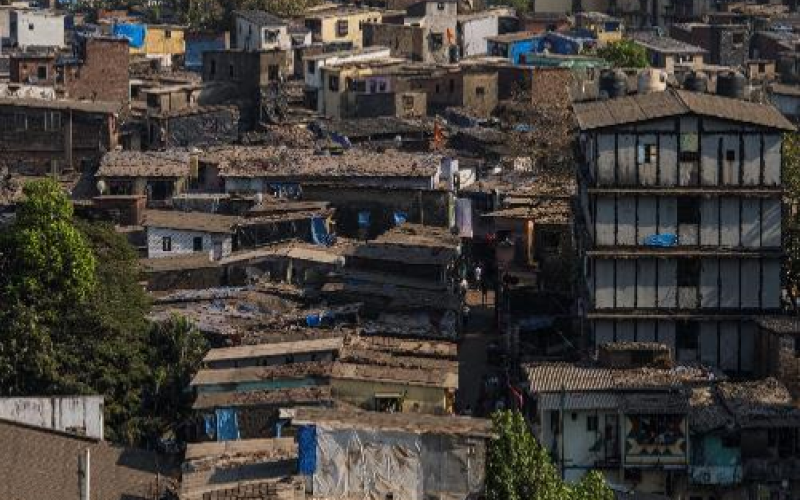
(655, 439)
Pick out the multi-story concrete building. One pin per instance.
(259, 30)
(680, 197)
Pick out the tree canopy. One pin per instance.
(519, 468)
(76, 321)
(624, 54)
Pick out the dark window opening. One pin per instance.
(311, 67)
(166, 244)
(437, 88)
(197, 244)
(689, 156)
(452, 86)
(688, 272)
(230, 70)
(689, 210)
(730, 155)
(480, 91)
(213, 70)
(41, 72)
(437, 40)
(591, 423)
(554, 421)
(167, 34)
(408, 102)
(273, 73)
(342, 27)
(333, 83)
(687, 335)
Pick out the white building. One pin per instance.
(473, 29)
(173, 233)
(680, 222)
(37, 28)
(258, 30)
(314, 64)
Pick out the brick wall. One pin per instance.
(403, 41)
(27, 70)
(102, 74)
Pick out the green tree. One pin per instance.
(791, 181)
(47, 262)
(179, 348)
(74, 321)
(519, 468)
(624, 54)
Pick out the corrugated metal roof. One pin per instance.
(571, 377)
(644, 107)
(578, 401)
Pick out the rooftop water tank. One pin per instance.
(652, 80)
(696, 81)
(731, 84)
(613, 83)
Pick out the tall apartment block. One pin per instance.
(680, 222)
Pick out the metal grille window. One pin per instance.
(166, 244)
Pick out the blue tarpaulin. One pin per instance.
(400, 218)
(210, 425)
(313, 320)
(341, 140)
(661, 240)
(227, 425)
(307, 449)
(363, 219)
(319, 233)
(135, 33)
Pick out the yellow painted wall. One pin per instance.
(431, 400)
(157, 42)
(354, 27)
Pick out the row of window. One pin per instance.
(197, 244)
(45, 121)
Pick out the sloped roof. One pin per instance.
(403, 422)
(645, 107)
(574, 377)
(190, 221)
(276, 349)
(260, 17)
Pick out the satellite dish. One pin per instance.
(101, 186)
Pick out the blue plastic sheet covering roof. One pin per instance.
(227, 425)
(195, 48)
(135, 33)
(661, 240)
(319, 232)
(400, 218)
(307, 449)
(363, 219)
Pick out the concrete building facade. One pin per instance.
(681, 203)
(37, 28)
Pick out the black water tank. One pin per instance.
(731, 84)
(696, 81)
(614, 83)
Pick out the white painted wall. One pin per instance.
(252, 36)
(473, 32)
(183, 242)
(39, 28)
(82, 414)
